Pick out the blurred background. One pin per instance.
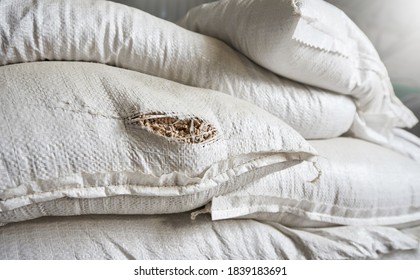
(394, 29)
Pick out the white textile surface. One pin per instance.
(177, 237)
(113, 34)
(67, 130)
(353, 182)
(414, 254)
(312, 42)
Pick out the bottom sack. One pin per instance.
(360, 183)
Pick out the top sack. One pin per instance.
(312, 42)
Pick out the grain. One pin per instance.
(190, 130)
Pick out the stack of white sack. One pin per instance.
(344, 86)
(304, 62)
(315, 43)
(353, 182)
(114, 34)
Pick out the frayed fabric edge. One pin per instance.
(296, 4)
(205, 210)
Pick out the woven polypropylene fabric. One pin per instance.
(109, 33)
(312, 42)
(66, 131)
(360, 184)
(177, 237)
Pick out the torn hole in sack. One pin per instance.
(188, 130)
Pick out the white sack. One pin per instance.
(360, 184)
(70, 131)
(176, 237)
(114, 34)
(312, 42)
